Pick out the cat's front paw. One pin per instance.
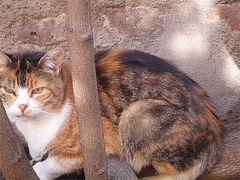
(41, 171)
(39, 157)
(46, 170)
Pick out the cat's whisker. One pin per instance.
(40, 111)
(45, 112)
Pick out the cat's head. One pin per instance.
(31, 84)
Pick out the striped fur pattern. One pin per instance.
(152, 113)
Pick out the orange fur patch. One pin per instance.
(110, 63)
(164, 168)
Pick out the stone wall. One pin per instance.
(201, 37)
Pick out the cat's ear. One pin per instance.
(4, 60)
(52, 61)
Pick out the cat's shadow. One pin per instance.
(72, 176)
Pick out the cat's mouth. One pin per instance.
(22, 116)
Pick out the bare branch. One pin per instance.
(13, 160)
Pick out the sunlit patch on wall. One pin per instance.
(188, 44)
(231, 72)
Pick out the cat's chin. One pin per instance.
(23, 117)
(26, 117)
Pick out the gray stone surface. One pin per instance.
(201, 37)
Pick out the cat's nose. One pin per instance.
(22, 107)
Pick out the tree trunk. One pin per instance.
(13, 160)
(80, 39)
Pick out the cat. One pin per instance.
(152, 113)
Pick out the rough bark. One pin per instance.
(13, 160)
(80, 40)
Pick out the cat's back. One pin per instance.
(162, 114)
(119, 60)
(126, 76)
(122, 67)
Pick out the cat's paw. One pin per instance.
(41, 171)
(45, 170)
(40, 156)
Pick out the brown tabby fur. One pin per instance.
(152, 114)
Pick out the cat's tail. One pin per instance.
(178, 144)
(191, 174)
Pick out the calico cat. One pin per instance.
(152, 113)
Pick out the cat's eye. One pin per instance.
(37, 90)
(10, 91)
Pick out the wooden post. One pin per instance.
(13, 160)
(80, 41)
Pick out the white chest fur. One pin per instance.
(41, 130)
